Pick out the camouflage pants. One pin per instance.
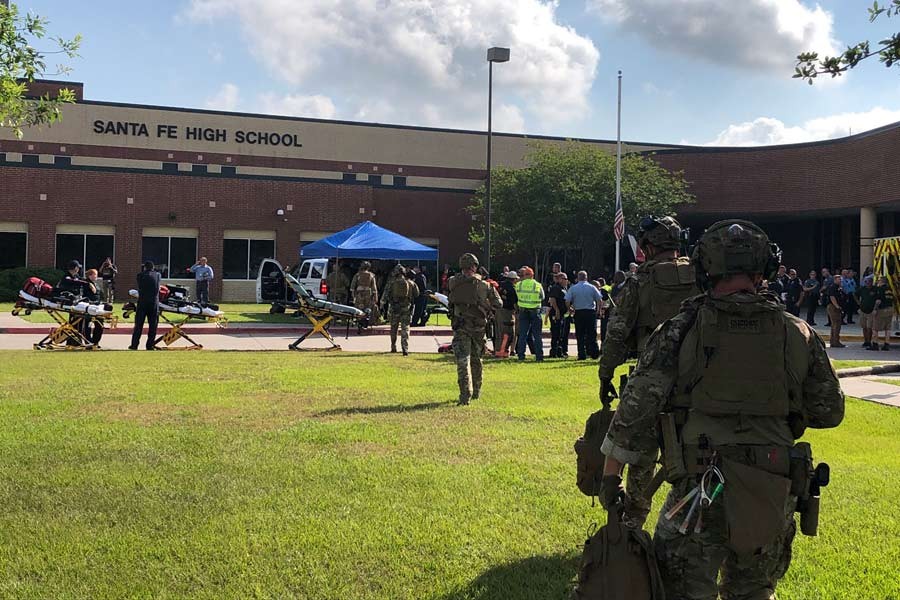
(468, 348)
(365, 300)
(691, 563)
(400, 319)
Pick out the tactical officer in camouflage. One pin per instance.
(738, 380)
(401, 294)
(649, 297)
(472, 302)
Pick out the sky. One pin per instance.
(711, 72)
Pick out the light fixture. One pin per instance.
(280, 212)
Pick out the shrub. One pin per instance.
(11, 280)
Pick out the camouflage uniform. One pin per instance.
(365, 292)
(690, 563)
(632, 322)
(401, 294)
(338, 286)
(471, 303)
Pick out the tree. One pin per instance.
(564, 200)
(21, 63)
(809, 66)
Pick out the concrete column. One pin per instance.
(868, 231)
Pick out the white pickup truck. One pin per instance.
(272, 288)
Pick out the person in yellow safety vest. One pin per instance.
(531, 295)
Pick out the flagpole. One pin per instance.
(619, 164)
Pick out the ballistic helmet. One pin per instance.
(365, 265)
(663, 233)
(467, 261)
(398, 270)
(734, 246)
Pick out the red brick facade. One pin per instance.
(100, 198)
(825, 177)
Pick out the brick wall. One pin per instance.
(789, 180)
(81, 197)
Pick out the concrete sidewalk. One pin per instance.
(873, 389)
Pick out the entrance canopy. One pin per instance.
(368, 240)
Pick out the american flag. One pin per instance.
(619, 221)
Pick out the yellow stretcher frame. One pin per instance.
(69, 330)
(177, 332)
(321, 321)
(887, 263)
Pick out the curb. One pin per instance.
(862, 371)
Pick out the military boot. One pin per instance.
(463, 401)
(476, 393)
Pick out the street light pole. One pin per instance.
(493, 55)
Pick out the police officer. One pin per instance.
(147, 306)
(401, 294)
(742, 380)
(530, 295)
(651, 295)
(472, 302)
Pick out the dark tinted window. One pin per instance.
(97, 249)
(69, 246)
(183, 254)
(259, 249)
(13, 247)
(156, 249)
(234, 259)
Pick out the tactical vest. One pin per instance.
(401, 291)
(662, 287)
(529, 293)
(739, 359)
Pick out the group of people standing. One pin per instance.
(843, 297)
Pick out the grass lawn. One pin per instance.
(275, 475)
(849, 364)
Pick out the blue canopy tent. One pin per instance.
(368, 240)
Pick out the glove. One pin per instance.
(611, 491)
(607, 391)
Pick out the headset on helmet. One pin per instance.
(663, 233)
(731, 247)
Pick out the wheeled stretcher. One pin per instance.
(177, 310)
(320, 313)
(72, 312)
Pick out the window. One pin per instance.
(304, 271)
(241, 257)
(88, 249)
(315, 271)
(13, 248)
(173, 256)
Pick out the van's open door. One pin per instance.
(270, 284)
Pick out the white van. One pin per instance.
(271, 287)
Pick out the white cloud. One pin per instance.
(422, 61)
(767, 130)
(762, 35)
(297, 105)
(227, 98)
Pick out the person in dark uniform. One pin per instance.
(147, 306)
(75, 285)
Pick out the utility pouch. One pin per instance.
(801, 470)
(755, 503)
(672, 452)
